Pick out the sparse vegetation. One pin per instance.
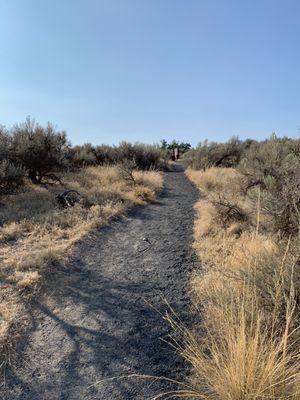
(247, 237)
(37, 231)
(246, 233)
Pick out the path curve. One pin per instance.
(96, 323)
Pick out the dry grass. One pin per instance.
(35, 233)
(214, 179)
(242, 361)
(247, 290)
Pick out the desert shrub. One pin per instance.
(271, 171)
(87, 154)
(105, 155)
(11, 175)
(212, 154)
(126, 170)
(145, 157)
(80, 156)
(42, 152)
(263, 160)
(228, 210)
(5, 143)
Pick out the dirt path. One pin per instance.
(96, 324)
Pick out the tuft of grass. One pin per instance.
(241, 361)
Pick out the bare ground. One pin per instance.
(95, 320)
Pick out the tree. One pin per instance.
(163, 144)
(173, 145)
(184, 147)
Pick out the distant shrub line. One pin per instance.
(43, 153)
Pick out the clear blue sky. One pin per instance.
(143, 70)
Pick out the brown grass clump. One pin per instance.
(36, 233)
(213, 179)
(248, 292)
(242, 360)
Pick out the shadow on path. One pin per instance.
(97, 319)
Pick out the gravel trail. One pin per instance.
(96, 322)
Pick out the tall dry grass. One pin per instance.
(248, 293)
(36, 233)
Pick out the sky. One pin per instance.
(146, 70)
